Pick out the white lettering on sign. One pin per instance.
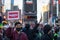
(13, 15)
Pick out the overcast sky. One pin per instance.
(19, 3)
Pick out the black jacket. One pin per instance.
(46, 37)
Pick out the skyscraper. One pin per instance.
(30, 5)
(30, 10)
(12, 4)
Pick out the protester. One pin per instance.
(47, 29)
(18, 34)
(27, 30)
(9, 31)
(32, 25)
(1, 27)
(56, 33)
(35, 31)
(39, 32)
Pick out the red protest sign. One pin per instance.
(13, 15)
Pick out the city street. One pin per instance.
(29, 19)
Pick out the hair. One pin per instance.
(47, 28)
(17, 23)
(27, 26)
(56, 29)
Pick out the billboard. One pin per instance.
(13, 15)
(29, 2)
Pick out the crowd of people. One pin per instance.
(30, 32)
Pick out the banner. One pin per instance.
(13, 15)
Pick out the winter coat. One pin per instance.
(46, 37)
(28, 33)
(9, 32)
(21, 36)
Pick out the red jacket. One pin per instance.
(21, 36)
(9, 31)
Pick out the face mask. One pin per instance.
(18, 29)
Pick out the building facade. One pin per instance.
(30, 10)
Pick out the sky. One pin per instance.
(16, 2)
(7, 4)
(40, 3)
